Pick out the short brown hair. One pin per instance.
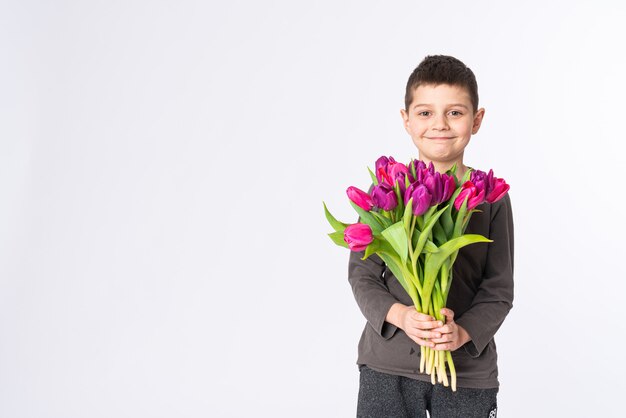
(442, 69)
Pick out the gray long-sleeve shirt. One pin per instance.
(481, 295)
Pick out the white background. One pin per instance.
(162, 171)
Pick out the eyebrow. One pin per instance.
(429, 104)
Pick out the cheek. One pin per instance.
(417, 129)
(464, 128)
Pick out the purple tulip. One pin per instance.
(498, 191)
(384, 197)
(401, 178)
(417, 165)
(449, 186)
(421, 198)
(360, 198)
(481, 180)
(434, 183)
(473, 195)
(358, 236)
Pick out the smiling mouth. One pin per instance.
(439, 137)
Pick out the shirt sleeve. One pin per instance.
(371, 292)
(494, 298)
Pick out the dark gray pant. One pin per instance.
(383, 395)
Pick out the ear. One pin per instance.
(478, 119)
(405, 119)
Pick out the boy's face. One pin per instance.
(440, 120)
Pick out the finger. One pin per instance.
(448, 313)
(443, 347)
(445, 338)
(446, 329)
(425, 334)
(422, 342)
(425, 324)
(418, 316)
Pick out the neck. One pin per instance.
(443, 166)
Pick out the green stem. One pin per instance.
(452, 371)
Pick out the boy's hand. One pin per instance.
(417, 326)
(452, 335)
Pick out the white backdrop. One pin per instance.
(162, 170)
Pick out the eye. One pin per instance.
(456, 113)
(423, 113)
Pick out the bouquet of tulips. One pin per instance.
(414, 219)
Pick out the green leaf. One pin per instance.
(426, 232)
(368, 218)
(461, 218)
(430, 247)
(379, 245)
(337, 226)
(438, 233)
(384, 221)
(446, 221)
(394, 265)
(452, 170)
(399, 210)
(337, 238)
(434, 261)
(408, 215)
(396, 236)
(467, 175)
(373, 176)
(416, 234)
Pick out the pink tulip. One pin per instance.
(397, 169)
(360, 198)
(358, 236)
(470, 192)
(499, 190)
(494, 187)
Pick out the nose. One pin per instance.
(440, 123)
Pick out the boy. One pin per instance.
(441, 114)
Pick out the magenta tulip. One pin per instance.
(358, 236)
(383, 177)
(382, 162)
(494, 187)
(382, 169)
(360, 198)
(499, 190)
(384, 197)
(472, 194)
